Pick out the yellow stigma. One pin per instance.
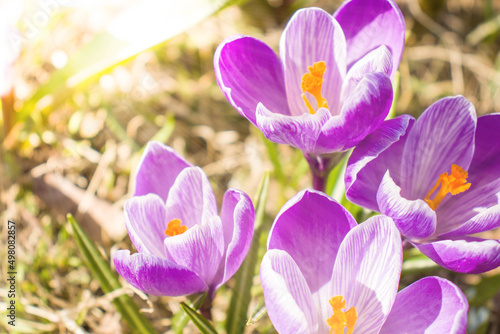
(453, 183)
(175, 228)
(341, 319)
(311, 83)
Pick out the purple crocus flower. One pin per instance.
(184, 246)
(323, 273)
(439, 180)
(332, 85)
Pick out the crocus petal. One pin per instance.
(310, 228)
(146, 224)
(414, 219)
(299, 131)
(484, 175)
(484, 165)
(312, 35)
(158, 169)
(484, 221)
(191, 198)
(366, 272)
(200, 249)
(473, 205)
(237, 217)
(443, 135)
(248, 72)
(287, 296)
(363, 112)
(370, 159)
(465, 255)
(157, 276)
(369, 24)
(378, 60)
(431, 305)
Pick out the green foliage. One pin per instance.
(481, 293)
(181, 318)
(201, 323)
(108, 280)
(237, 313)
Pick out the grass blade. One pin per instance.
(259, 311)
(273, 154)
(203, 325)
(238, 307)
(395, 89)
(180, 319)
(335, 186)
(108, 280)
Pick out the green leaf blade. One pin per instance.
(200, 322)
(108, 280)
(237, 312)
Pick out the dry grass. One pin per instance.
(90, 144)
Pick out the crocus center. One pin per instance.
(341, 319)
(311, 83)
(453, 183)
(174, 228)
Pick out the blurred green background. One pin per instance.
(95, 81)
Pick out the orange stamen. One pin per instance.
(341, 319)
(175, 228)
(453, 183)
(311, 83)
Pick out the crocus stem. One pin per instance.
(318, 182)
(321, 165)
(206, 308)
(407, 244)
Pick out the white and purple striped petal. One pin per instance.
(369, 24)
(191, 198)
(367, 270)
(405, 213)
(248, 72)
(443, 135)
(431, 305)
(378, 60)
(237, 215)
(157, 170)
(288, 298)
(156, 275)
(145, 222)
(313, 35)
(463, 254)
(376, 152)
(200, 249)
(301, 131)
(362, 113)
(310, 228)
(484, 176)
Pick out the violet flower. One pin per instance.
(184, 246)
(332, 85)
(323, 273)
(439, 180)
